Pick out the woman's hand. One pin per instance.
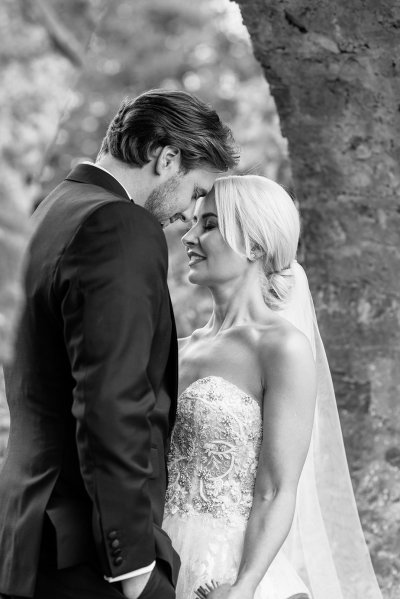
(223, 591)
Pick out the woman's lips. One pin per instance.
(195, 259)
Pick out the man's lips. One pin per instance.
(194, 258)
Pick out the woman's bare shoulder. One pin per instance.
(275, 333)
(282, 337)
(283, 346)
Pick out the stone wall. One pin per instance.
(4, 418)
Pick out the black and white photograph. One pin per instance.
(199, 299)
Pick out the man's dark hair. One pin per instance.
(170, 118)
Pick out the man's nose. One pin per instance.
(187, 215)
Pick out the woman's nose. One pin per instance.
(189, 238)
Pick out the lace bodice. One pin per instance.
(214, 451)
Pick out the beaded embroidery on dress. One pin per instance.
(212, 470)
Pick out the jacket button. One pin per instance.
(118, 561)
(112, 535)
(116, 552)
(115, 544)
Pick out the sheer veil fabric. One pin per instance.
(326, 542)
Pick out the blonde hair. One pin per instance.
(258, 213)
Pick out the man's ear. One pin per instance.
(168, 161)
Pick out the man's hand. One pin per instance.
(133, 587)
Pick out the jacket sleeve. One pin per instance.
(111, 282)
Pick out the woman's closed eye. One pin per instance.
(209, 224)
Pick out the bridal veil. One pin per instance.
(326, 542)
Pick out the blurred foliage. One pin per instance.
(38, 59)
(201, 47)
(35, 78)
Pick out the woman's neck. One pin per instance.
(237, 303)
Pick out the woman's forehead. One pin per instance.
(206, 204)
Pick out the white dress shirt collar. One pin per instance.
(111, 175)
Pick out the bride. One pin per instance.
(259, 495)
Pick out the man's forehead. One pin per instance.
(204, 179)
(204, 185)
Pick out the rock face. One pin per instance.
(4, 418)
(334, 71)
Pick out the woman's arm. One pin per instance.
(289, 400)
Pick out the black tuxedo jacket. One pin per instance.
(92, 391)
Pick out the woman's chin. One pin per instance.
(195, 278)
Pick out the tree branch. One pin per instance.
(62, 39)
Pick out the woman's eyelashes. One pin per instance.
(209, 224)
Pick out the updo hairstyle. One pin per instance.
(258, 219)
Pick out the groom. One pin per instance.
(92, 391)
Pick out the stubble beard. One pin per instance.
(160, 202)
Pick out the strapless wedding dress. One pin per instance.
(212, 469)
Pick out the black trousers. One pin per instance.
(84, 581)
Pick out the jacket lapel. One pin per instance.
(92, 175)
(173, 368)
